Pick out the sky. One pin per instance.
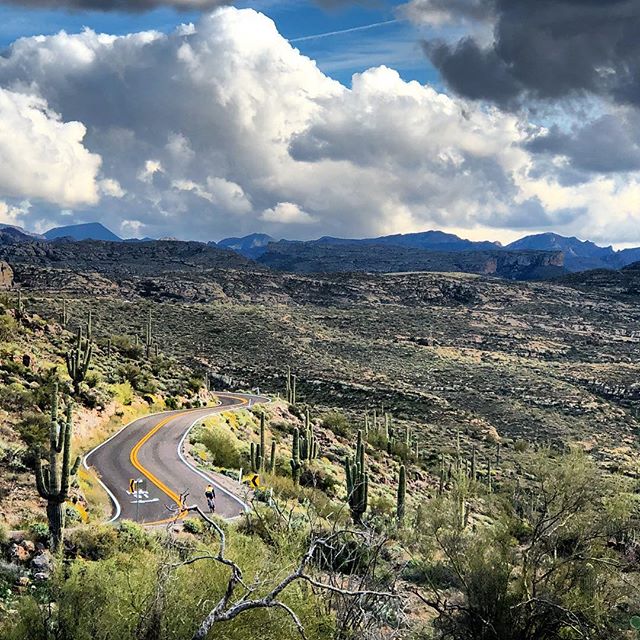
(199, 119)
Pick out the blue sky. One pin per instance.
(395, 44)
(226, 130)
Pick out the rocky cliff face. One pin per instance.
(525, 265)
(312, 257)
(6, 275)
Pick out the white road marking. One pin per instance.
(116, 503)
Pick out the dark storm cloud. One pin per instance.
(545, 49)
(609, 144)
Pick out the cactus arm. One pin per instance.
(64, 477)
(42, 479)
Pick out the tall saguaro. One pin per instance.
(78, 360)
(53, 480)
(357, 482)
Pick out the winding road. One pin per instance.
(150, 449)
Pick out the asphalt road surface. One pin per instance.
(149, 449)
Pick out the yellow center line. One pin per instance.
(133, 457)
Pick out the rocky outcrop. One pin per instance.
(6, 275)
(314, 257)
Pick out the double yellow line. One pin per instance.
(133, 457)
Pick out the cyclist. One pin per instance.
(210, 495)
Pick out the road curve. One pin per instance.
(150, 448)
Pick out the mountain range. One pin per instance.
(401, 251)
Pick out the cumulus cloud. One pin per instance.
(286, 213)
(131, 6)
(446, 12)
(223, 127)
(11, 214)
(41, 156)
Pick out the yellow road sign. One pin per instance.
(253, 480)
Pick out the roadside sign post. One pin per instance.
(136, 488)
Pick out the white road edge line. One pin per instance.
(243, 504)
(116, 504)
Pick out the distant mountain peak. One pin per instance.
(85, 231)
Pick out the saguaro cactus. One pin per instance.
(357, 482)
(53, 480)
(272, 458)
(442, 475)
(259, 451)
(290, 387)
(78, 360)
(90, 325)
(65, 313)
(402, 492)
(148, 337)
(295, 456)
(308, 442)
(473, 463)
(20, 313)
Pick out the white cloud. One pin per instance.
(151, 167)
(227, 196)
(11, 214)
(224, 127)
(286, 213)
(111, 188)
(41, 156)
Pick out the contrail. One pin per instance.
(365, 27)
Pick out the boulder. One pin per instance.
(6, 275)
(42, 563)
(28, 545)
(18, 553)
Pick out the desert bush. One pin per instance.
(193, 525)
(337, 422)
(8, 327)
(319, 476)
(9, 574)
(126, 347)
(223, 446)
(132, 536)
(123, 392)
(39, 531)
(97, 542)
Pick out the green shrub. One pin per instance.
(96, 542)
(9, 574)
(337, 422)
(318, 476)
(194, 384)
(123, 392)
(222, 445)
(8, 328)
(39, 531)
(193, 525)
(132, 536)
(72, 517)
(126, 347)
